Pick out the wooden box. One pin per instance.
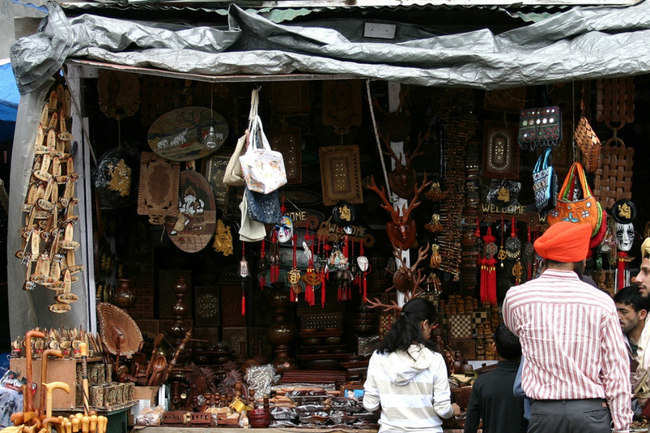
(146, 393)
(58, 370)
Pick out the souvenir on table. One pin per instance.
(342, 104)
(179, 135)
(340, 171)
(118, 94)
(544, 183)
(573, 209)
(500, 152)
(194, 225)
(288, 142)
(539, 127)
(158, 187)
(402, 229)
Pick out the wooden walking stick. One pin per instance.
(83, 348)
(46, 353)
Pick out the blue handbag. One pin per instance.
(264, 208)
(545, 183)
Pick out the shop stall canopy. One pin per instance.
(9, 98)
(581, 43)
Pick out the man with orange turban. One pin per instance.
(577, 369)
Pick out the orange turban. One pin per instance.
(564, 242)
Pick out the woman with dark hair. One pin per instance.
(407, 377)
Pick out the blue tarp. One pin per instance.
(9, 98)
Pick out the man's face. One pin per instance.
(642, 279)
(628, 318)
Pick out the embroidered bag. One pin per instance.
(539, 127)
(544, 183)
(264, 208)
(569, 208)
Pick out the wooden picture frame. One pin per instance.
(500, 151)
(340, 170)
(213, 170)
(158, 187)
(288, 142)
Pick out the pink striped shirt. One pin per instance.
(573, 343)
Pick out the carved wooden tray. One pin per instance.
(500, 151)
(287, 142)
(195, 224)
(340, 172)
(158, 188)
(178, 134)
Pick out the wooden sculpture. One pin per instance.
(403, 178)
(401, 230)
(407, 279)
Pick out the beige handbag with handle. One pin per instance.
(233, 175)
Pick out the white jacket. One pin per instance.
(412, 389)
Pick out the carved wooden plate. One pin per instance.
(195, 224)
(340, 172)
(158, 189)
(178, 134)
(288, 143)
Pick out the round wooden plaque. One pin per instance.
(178, 134)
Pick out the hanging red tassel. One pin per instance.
(292, 295)
(620, 274)
(243, 303)
(492, 280)
(262, 276)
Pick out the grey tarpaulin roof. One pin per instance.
(584, 42)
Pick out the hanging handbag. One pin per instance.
(264, 208)
(233, 175)
(589, 144)
(544, 183)
(249, 230)
(539, 127)
(586, 210)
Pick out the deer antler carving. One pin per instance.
(408, 279)
(403, 178)
(401, 230)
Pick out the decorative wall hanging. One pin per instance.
(613, 180)
(407, 279)
(206, 305)
(342, 105)
(615, 100)
(588, 142)
(195, 224)
(402, 229)
(340, 171)
(539, 127)
(291, 98)
(509, 100)
(332, 232)
(178, 134)
(214, 168)
(158, 187)
(114, 179)
(288, 142)
(500, 152)
(503, 193)
(118, 94)
(223, 239)
(403, 178)
(48, 244)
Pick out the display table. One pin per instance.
(260, 430)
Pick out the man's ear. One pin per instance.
(643, 314)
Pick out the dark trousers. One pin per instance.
(569, 416)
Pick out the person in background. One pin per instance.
(407, 378)
(576, 371)
(642, 282)
(492, 398)
(632, 312)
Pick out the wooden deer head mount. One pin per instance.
(407, 279)
(401, 229)
(403, 178)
